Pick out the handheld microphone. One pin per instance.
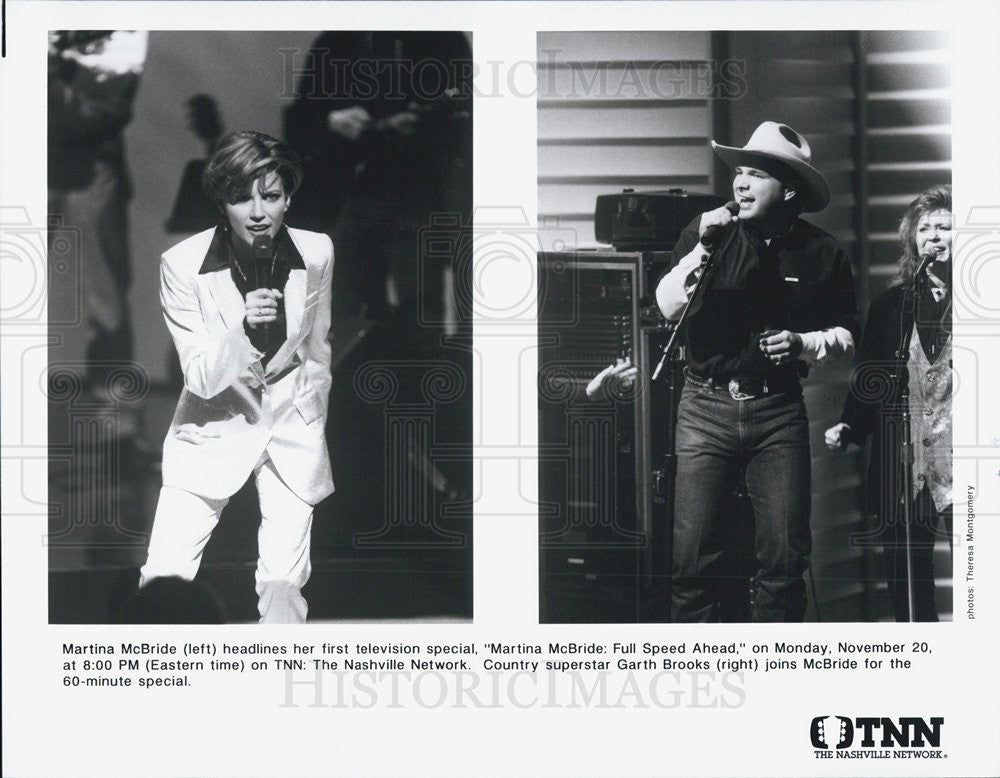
(264, 253)
(711, 235)
(263, 257)
(708, 240)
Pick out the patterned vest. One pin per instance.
(930, 421)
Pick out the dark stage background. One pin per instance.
(394, 541)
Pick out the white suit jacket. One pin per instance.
(232, 409)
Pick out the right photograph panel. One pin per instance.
(744, 326)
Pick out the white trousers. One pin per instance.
(184, 522)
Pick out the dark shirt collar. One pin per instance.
(771, 239)
(220, 251)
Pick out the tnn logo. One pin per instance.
(909, 732)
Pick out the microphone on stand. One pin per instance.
(264, 253)
(920, 277)
(708, 240)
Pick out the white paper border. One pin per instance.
(239, 728)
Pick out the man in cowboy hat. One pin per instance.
(780, 297)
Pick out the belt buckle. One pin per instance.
(736, 392)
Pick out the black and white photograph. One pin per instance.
(255, 270)
(541, 388)
(695, 350)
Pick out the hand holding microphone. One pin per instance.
(712, 225)
(262, 302)
(677, 286)
(714, 222)
(262, 308)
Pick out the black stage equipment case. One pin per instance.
(605, 487)
(602, 544)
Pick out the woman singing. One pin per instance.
(250, 324)
(920, 306)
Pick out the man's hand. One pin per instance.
(836, 437)
(262, 306)
(781, 346)
(349, 123)
(623, 370)
(720, 217)
(402, 123)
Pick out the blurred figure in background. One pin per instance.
(920, 305)
(93, 76)
(383, 120)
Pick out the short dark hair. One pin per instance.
(241, 158)
(934, 198)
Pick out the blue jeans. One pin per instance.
(767, 440)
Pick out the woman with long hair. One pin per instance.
(918, 305)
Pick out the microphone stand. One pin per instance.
(902, 376)
(663, 477)
(708, 265)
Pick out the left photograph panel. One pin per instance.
(260, 342)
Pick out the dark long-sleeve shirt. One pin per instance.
(800, 281)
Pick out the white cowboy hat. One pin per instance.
(780, 142)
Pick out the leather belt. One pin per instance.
(745, 387)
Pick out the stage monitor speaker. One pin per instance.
(596, 519)
(633, 221)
